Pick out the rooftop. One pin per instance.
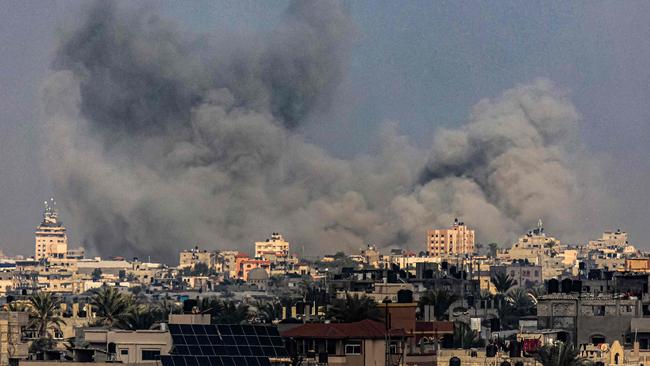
(365, 329)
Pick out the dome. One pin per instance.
(258, 274)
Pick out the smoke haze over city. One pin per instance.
(159, 137)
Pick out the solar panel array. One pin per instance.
(224, 345)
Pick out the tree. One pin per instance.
(163, 308)
(560, 354)
(536, 292)
(270, 311)
(232, 313)
(44, 314)
(502, 282)
(353, 309)
(141, 317)
(97, 274)
(520, 302)
(113, 307)
(465, 337)
(440, 299)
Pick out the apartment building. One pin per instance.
(457, 240)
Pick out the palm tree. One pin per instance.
(232, 313)
(520, 302)
(465, 337)
(44, 314)
(353, 309)
(560, 354)
(141, 317)
(270, 311)
(440, 299)
(163, 308)
(112, 307)
(212, 306)
(536, 292)
(502, 282)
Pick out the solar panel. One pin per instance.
(190, 360)
(257, 341)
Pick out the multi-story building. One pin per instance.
(190, 258)
(457, 240)
(273, 249)
(244, 265)
(226, 263)
(51, 237)
(526, 274)
(588, 319)
(610, 239)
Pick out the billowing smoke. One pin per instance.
(159, 140)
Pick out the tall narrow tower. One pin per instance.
(51, 237)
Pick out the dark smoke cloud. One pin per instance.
(159, 140)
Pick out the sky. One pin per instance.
(420, 64)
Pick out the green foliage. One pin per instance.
(97, 274)
(113, 308)
(164, 307)
(44, 315)
(440, 299)
(224, 312)
(270, 311)
(502, 282)
(141, 317)
(560, 354)
(520, 302)
(353, 309)
(465, 337)
(41, 345)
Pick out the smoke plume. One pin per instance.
(160, 140)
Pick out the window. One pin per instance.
(150, 354)
(353, 348)
(599, 310)
(124, 352)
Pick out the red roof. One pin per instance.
(365, 329)
(437, 326)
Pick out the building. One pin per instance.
(360, 343)
(588, 319)
(51, 237)
(457, 240)
(12, 345)
(610, 240)
(226, 263)
(244, 265)
(190, 258)
(273, 249)
(526, 274)
(130, 346)
(534, 246)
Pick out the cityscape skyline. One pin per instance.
(621, 211)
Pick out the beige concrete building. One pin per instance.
(610, 239)
(532, 246)
(132, 346)
(189, 258)
(51, 237)
(227, 263)
(459, 239)
(273, 249)
(11, 331)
